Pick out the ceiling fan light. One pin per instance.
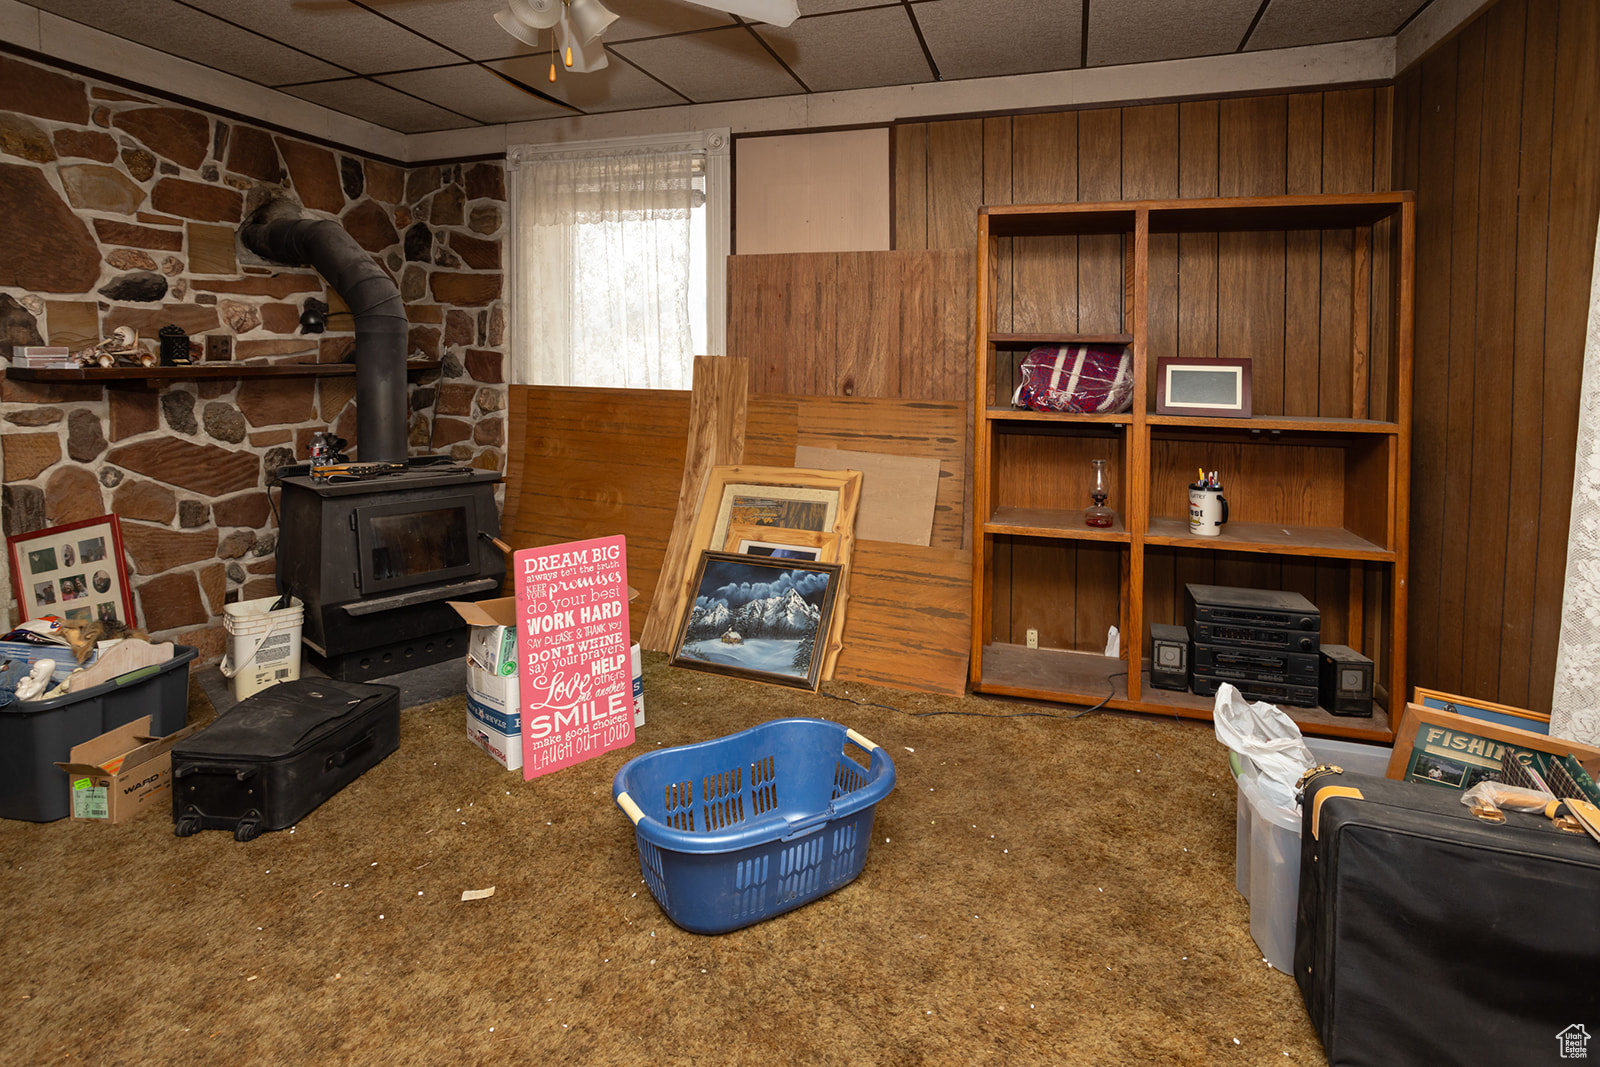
(589, 18)
(772, 12)
(517, 28)
(582, 58)
(541, 14)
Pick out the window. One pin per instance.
(617, 260)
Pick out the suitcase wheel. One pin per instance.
(187, 825)
(249, 829)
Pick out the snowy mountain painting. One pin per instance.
(760, 617)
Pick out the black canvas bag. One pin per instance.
(1427, 936)
(274, 757)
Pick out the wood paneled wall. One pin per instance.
(1498, 132)
(1335, 142)
(864, 324)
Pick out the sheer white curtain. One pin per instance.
(602, 271)
(1575, 708)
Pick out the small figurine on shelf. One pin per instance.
(122, 347)
(174, 346)
(1099, 515)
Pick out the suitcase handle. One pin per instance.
(362, 744)
(241, 773)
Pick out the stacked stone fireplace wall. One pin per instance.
(123, 210)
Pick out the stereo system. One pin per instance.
(1252, 618)
(1298, 668)
(1265, 642)
(1300, 696)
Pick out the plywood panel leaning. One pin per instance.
(715, 436)
(596, 462)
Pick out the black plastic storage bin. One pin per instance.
(34, 735)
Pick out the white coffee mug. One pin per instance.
(1208, 510)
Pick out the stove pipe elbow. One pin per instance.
(281, 233)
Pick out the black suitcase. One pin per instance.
(1427, 936)
(273, 757)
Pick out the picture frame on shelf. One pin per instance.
(1212, 388)
(1504, 714)
(75, 572)
(759, 617)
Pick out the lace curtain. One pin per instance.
(1575, 707)
(601, 268)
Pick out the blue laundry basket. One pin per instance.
(741, 828)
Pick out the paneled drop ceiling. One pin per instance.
(419, 66)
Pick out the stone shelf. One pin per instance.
(154, 377)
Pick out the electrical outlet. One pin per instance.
(1033, 638)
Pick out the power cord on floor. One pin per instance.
(986, 714)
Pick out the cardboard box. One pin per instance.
(493, 644)
(638, 686)
(497, 732)
(494, 710)
(494, 720)
(119, 774)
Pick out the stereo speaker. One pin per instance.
(1169, 657)
(1346, 684)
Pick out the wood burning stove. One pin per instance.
(375, 549)
(376, 560)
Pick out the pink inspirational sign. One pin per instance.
(573, 651)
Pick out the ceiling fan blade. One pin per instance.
(586, 58)
(538, 13)
(773, 12)
(589, 19)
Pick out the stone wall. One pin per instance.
(123, 210)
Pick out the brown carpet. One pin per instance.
(1037, 891)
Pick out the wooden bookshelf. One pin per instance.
(1317, 292)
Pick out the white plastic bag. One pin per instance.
(1276, 754)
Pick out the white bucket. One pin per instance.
(263, 645)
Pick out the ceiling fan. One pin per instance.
(578, 24)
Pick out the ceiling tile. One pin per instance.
(655, 18)
(379, 104)
(465, 26)
(1142, 31)
(851, 50)
(988, 38)
(714, 65)
(475, 92)
(181, 30)
(1289, 23)
(822, 7)
(616, 87)
(326, 28)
